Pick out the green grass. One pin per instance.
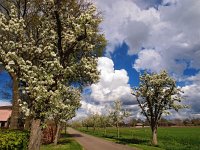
(64, 143)
(172, 138)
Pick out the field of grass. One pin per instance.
(172, 138)
(64, 143)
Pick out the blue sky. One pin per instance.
(124, 61)
(4, 80)
(146, 35)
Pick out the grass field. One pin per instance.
(64, 143)
(172, 138)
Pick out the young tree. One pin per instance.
(156, 94)
(87, 122)
(117, 115)
(64, 109)
(94, 120)
(104, 121)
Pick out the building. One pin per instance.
(139, 125)
(5, 113)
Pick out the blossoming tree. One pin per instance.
(117, 115)
(54, 53)
(64, 109)
(156, 94)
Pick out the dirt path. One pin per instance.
(93, 143)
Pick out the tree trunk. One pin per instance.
(35, 135)
(65, 129)
(105, 133)
(15, 103)
(27, 123)
(117, 131)
(57, 134)
(154, 136)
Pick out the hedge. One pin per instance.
(13, 140)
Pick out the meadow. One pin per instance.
(64, 143)
(170, 138)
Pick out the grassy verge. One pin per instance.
(173, 138)
(64, 143)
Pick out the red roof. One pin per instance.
(5, 114)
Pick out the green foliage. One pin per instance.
(13, 140)
(172, 138)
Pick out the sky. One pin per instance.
(146, 35)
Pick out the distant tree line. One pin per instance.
(88, 122)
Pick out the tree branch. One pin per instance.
(144, 112)
(25, 8)
(7, 11)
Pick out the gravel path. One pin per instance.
(94, 143)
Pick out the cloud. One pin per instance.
(125, 21)
(176, 37)
(91, 108)
(112, 85)
(191, 97)
(171, 30)
(5, 103)
(152, 58)
(192, 94)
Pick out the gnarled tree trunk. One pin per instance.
(57, 134)
(15, 103)
(35, 135)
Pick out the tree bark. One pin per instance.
(15, 103)
(35, 135)
(27, 123)
(154, 137)
(57, 134)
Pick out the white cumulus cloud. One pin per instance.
(112, 85)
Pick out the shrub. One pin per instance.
(13, 140)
